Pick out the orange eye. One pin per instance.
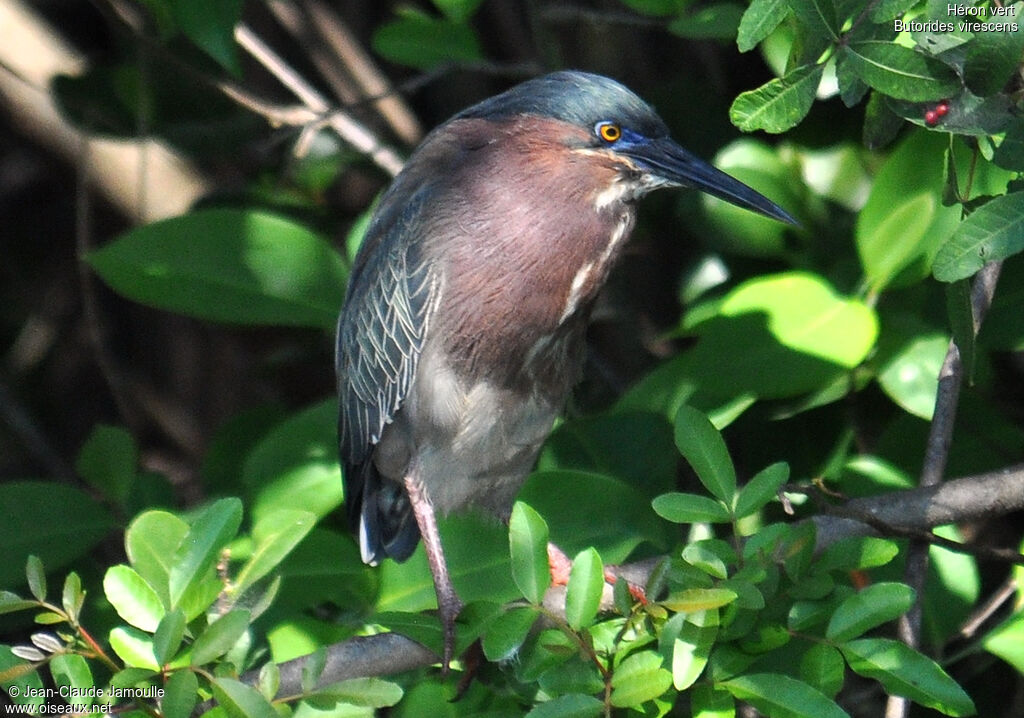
(609, 131)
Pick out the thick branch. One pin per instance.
(921, 509)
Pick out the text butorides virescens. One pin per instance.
(463, 329)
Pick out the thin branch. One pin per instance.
(936, 456)
(920, 509)
(351, 131)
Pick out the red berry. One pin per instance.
(942, 108)
(931, 118)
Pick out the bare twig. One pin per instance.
(351, 131)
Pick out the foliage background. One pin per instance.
(120, 407)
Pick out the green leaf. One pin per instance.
(418, 40)
(719, 21)
(167, 638)
(241, 701)
(782, 335)
(993, 232)
(228, 265)
(134, 647)
(71, 671)
(36, 575)
(72, 596)
(583, 595)
(779, 104)
(15, 671)
(870, 607)
(180, 695)
(703, 446)
(691, 600)
(507, 632)
(276, 534)
(200, 549)
(823, 667)
(706, 559)
(639, 678)
(295, 465)
(761, 489)
(1007, 641)
(683, 508)
(586, 509)
(573, 705)
(219, 637)
(899, 71)
(458, 10)
(759, 21)
(210, 24)
(856, 553)
(313, 668)
(910, 377)
(367, 692)
(691, 649)
(133, 599)
(897, 240)
(708, 701)
(905, 672)
(780, 696)
(151, 541)
(817, 17)
(961, 321)
(51, 520)
(11, 602)
(992, 55)
(107, 461)
(269, 681)
(528, 546)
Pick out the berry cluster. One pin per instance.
(932, 116)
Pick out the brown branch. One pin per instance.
(914, 510)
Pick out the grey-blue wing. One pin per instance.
(381, 332)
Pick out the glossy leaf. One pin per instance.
(167, 638)
(241, 701)
(683, 508)
(528, 545)
(758, 22)
(276, 534)
(703, 447)
(708, 701)
(71, 671)
(36, 575)
(1007, 641)
(228, 265)
(211, 26)
(780, 696)
(151, 541)
(295, 464)
(200, 549)
(855, 553)
(11, 602)
(134, 600)
(134, 647)
(905, 672)
(704, 558)
(507, 632)
(823, 667)
(583, 595)
(219, 637)
(692, 647)
(717, 21)
(992, 55)
(991, 233)
(180, 695)
(899, 71)
(368, 692)
(761, 489)
(72, 596)
(640, 677)
(910, 377)
(780, 104)
(691, 600)
(898, 240)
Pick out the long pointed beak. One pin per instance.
(670, 163)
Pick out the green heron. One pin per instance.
(462, 332)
